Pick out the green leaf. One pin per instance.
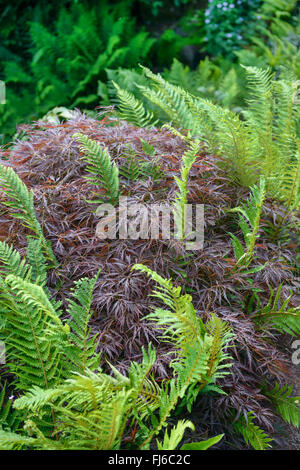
(202, 445)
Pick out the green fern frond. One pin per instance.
(290, 181)
(249, 220)
(181, 197)
(171, 441)
(10, 419)
(12, 263)
(179, 324)
(100, 429)
(169, 98)
(252, 434)
(200, 357)
(83, 355)
(33, 296)
(13, 441)
(21, 200)
(190, 369)
(36, 260)
(260, 86)
(288, 406)
(145, 391)
(280, 317)
(36, 334)
(203, 445)
(262, 144)
(103, 171)
(132, 110)
(131, 171)
(221, 336)
(182, 327)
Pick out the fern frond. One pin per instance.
(279, 317)
(171, 441)
(287, 406)
(252, 434)
(202, 445)
(225, 134)
(100, 429)
(145, 391)
(200, 347)
(249, 219)
(36, 260)
(221, 335)
(169, 98)
(260, 103)
(83, 355)
(182, 327)
(21, 200)
(36, 334)
(132, 110)
(12, 263)
(131, 171)
(103, 171)
(187, 371)
(181, 197)
(33, 296)
(264, 143)
(91, 410)
(179, 324)
(13, 441)
(10, 419)
(290, 181)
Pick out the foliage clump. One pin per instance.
(52, 165)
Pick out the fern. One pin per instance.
(168, 97)
(262, 144)
(171, 441)
(202, 445)
(97, 405)
(21, 200)
(287, 406)
(201, 355)
(280, 317)
(33, 327)
(65, 61)
(130, 171)
(103, 171)
(249, 219)
(12, 263)
(90, 410)
(135, 168)
(36, 261)
(13, 441)
(252, 434)
(186, 372)
(83, 350)
(195, 341)
(10, 419)
(181, 325)
(132, 110)
(31, 324)
(181, 198)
